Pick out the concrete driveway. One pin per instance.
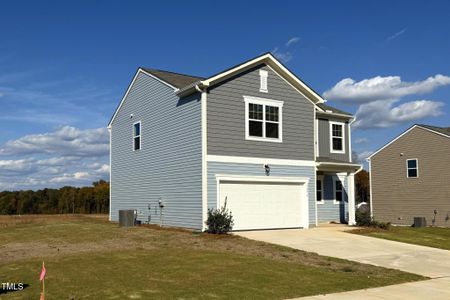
(332, 240)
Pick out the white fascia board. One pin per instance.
(405, 132)
(140, 70)
(259, 160)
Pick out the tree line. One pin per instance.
(95, 199)
(68, 199)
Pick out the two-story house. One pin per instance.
(410, 177)
(254, 136)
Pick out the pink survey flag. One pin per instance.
(43, 271)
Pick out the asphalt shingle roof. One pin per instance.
(176, 79)
(333, 109)
(443, 130)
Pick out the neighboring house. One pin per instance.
(253, 136)
(410, 177)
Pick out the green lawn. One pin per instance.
(87, 257)
(426, 236)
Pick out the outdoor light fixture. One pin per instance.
(267, 169)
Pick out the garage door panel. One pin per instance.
(262, 205)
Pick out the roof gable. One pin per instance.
(443, 131)
(270, 61)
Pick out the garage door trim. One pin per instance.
(302, 181)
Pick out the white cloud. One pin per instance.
(382, 114)
(361, 140)
(284, 56)
(292, 40)
(66, 156)
(67, 141)
(396, 35)
(104, 169)
(382, 88)
(360, 157)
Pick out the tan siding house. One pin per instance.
(410, 177)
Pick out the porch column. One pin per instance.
(351, 198)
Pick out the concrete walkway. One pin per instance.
(332, 240)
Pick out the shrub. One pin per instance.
(363, 219)
(219, 220)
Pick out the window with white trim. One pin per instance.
(319, 189)
(137, 136)
(263, 120)
(337, 137)
(412, 168)
(338, 190)
(263, 75)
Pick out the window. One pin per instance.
(263, 81)
(263, 119)
(338, 190)
(412, 168)
(337, 139)
(137, 136)
(319, 189)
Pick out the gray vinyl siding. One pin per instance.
(257, 170)
(324, 140)
(329, 211)
(226, 118)
(168, 166)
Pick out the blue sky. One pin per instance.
(64, 66)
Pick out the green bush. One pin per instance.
(219, 220)
(363, 219)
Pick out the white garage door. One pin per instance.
(263, 205)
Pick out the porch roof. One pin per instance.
(333, 165)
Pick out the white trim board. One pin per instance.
(331, 137)
(110, 167)
(259, 160)
(264, 102)
(204, 136)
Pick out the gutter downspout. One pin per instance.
(202, 89)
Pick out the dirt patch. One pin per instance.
(93, 233)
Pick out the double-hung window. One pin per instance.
(338, 190)
(137, 136)
(319, 189)
(337, 137)
(263, 119)
(412, 168)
